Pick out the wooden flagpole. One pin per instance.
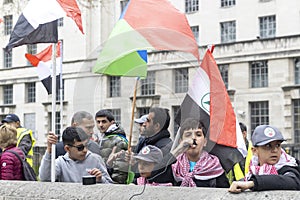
(132, 113)
(53, 110)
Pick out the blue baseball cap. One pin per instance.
(10, 118)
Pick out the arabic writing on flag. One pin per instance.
(43, 63)
(144, 25)
(207, 100)
(38, 22)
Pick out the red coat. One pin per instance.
(10, 165)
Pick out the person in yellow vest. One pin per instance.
(25, 138)
(240, 169)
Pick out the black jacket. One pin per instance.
(288, 178)
(161, 140)
(164, 174)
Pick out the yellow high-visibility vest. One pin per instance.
(21, 132)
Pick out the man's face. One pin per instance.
(103, 123)
(78, 150)
(87, 125)
(14, 124)
(269, 153)
(149, 127)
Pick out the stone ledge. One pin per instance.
(16, 190)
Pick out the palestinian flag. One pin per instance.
(43, 63)
(38, 22)
(207, 100)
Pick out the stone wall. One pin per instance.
(17, 190)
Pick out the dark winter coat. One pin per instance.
(161, 140)
(10, 165)
(288, 178)
(117, 137)
(164, 174)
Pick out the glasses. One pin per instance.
(79, 147)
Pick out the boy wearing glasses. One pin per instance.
(270, 168)
(76, 163)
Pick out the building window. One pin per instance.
(267, 26)
(8, 94)
(29, 123)
(297, 71)
(259, 74)
(117, 115)
(148, 84)
(8, 24)
(224, 74)
(142, 111)
(259, 113)
(58, 91)
(175, 126)
(7, 1)
(31, 48)
(195, 30)
(60, 22)
(228, 32)
(296, 108)
(181, 80)
(30, 92)
(7, 59)
(191, 6)
(57, 122)
(227, 3)
(123, 4)
(114, 86)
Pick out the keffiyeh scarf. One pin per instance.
(143, 180)
(265, 169)
(207, 167)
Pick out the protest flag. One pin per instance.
(43, 63)
(38, 22)
(207, 100)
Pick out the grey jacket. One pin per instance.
(68, 170)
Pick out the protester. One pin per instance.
(156, 130)
(25, 138)
(85, 121)
(140, 121)
(76, 163)
(188, 164)
(147, 158)
(10, 165)
(241, 168)
(270, 168)
(113, 141)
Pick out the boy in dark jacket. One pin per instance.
(270, 168)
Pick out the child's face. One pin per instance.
(268, 153)
(198, 136)
(78, 150)
(145, 168)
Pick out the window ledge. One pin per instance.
(290, 87)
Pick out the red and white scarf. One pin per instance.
(142, 180)
(207, 167)
(265, 169)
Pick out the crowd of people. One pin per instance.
(156, 160)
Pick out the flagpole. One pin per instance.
(132, 113)
(61, 89)
(53, 110)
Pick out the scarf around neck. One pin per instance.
(143, 180)
(207, 167)
(266, 169)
